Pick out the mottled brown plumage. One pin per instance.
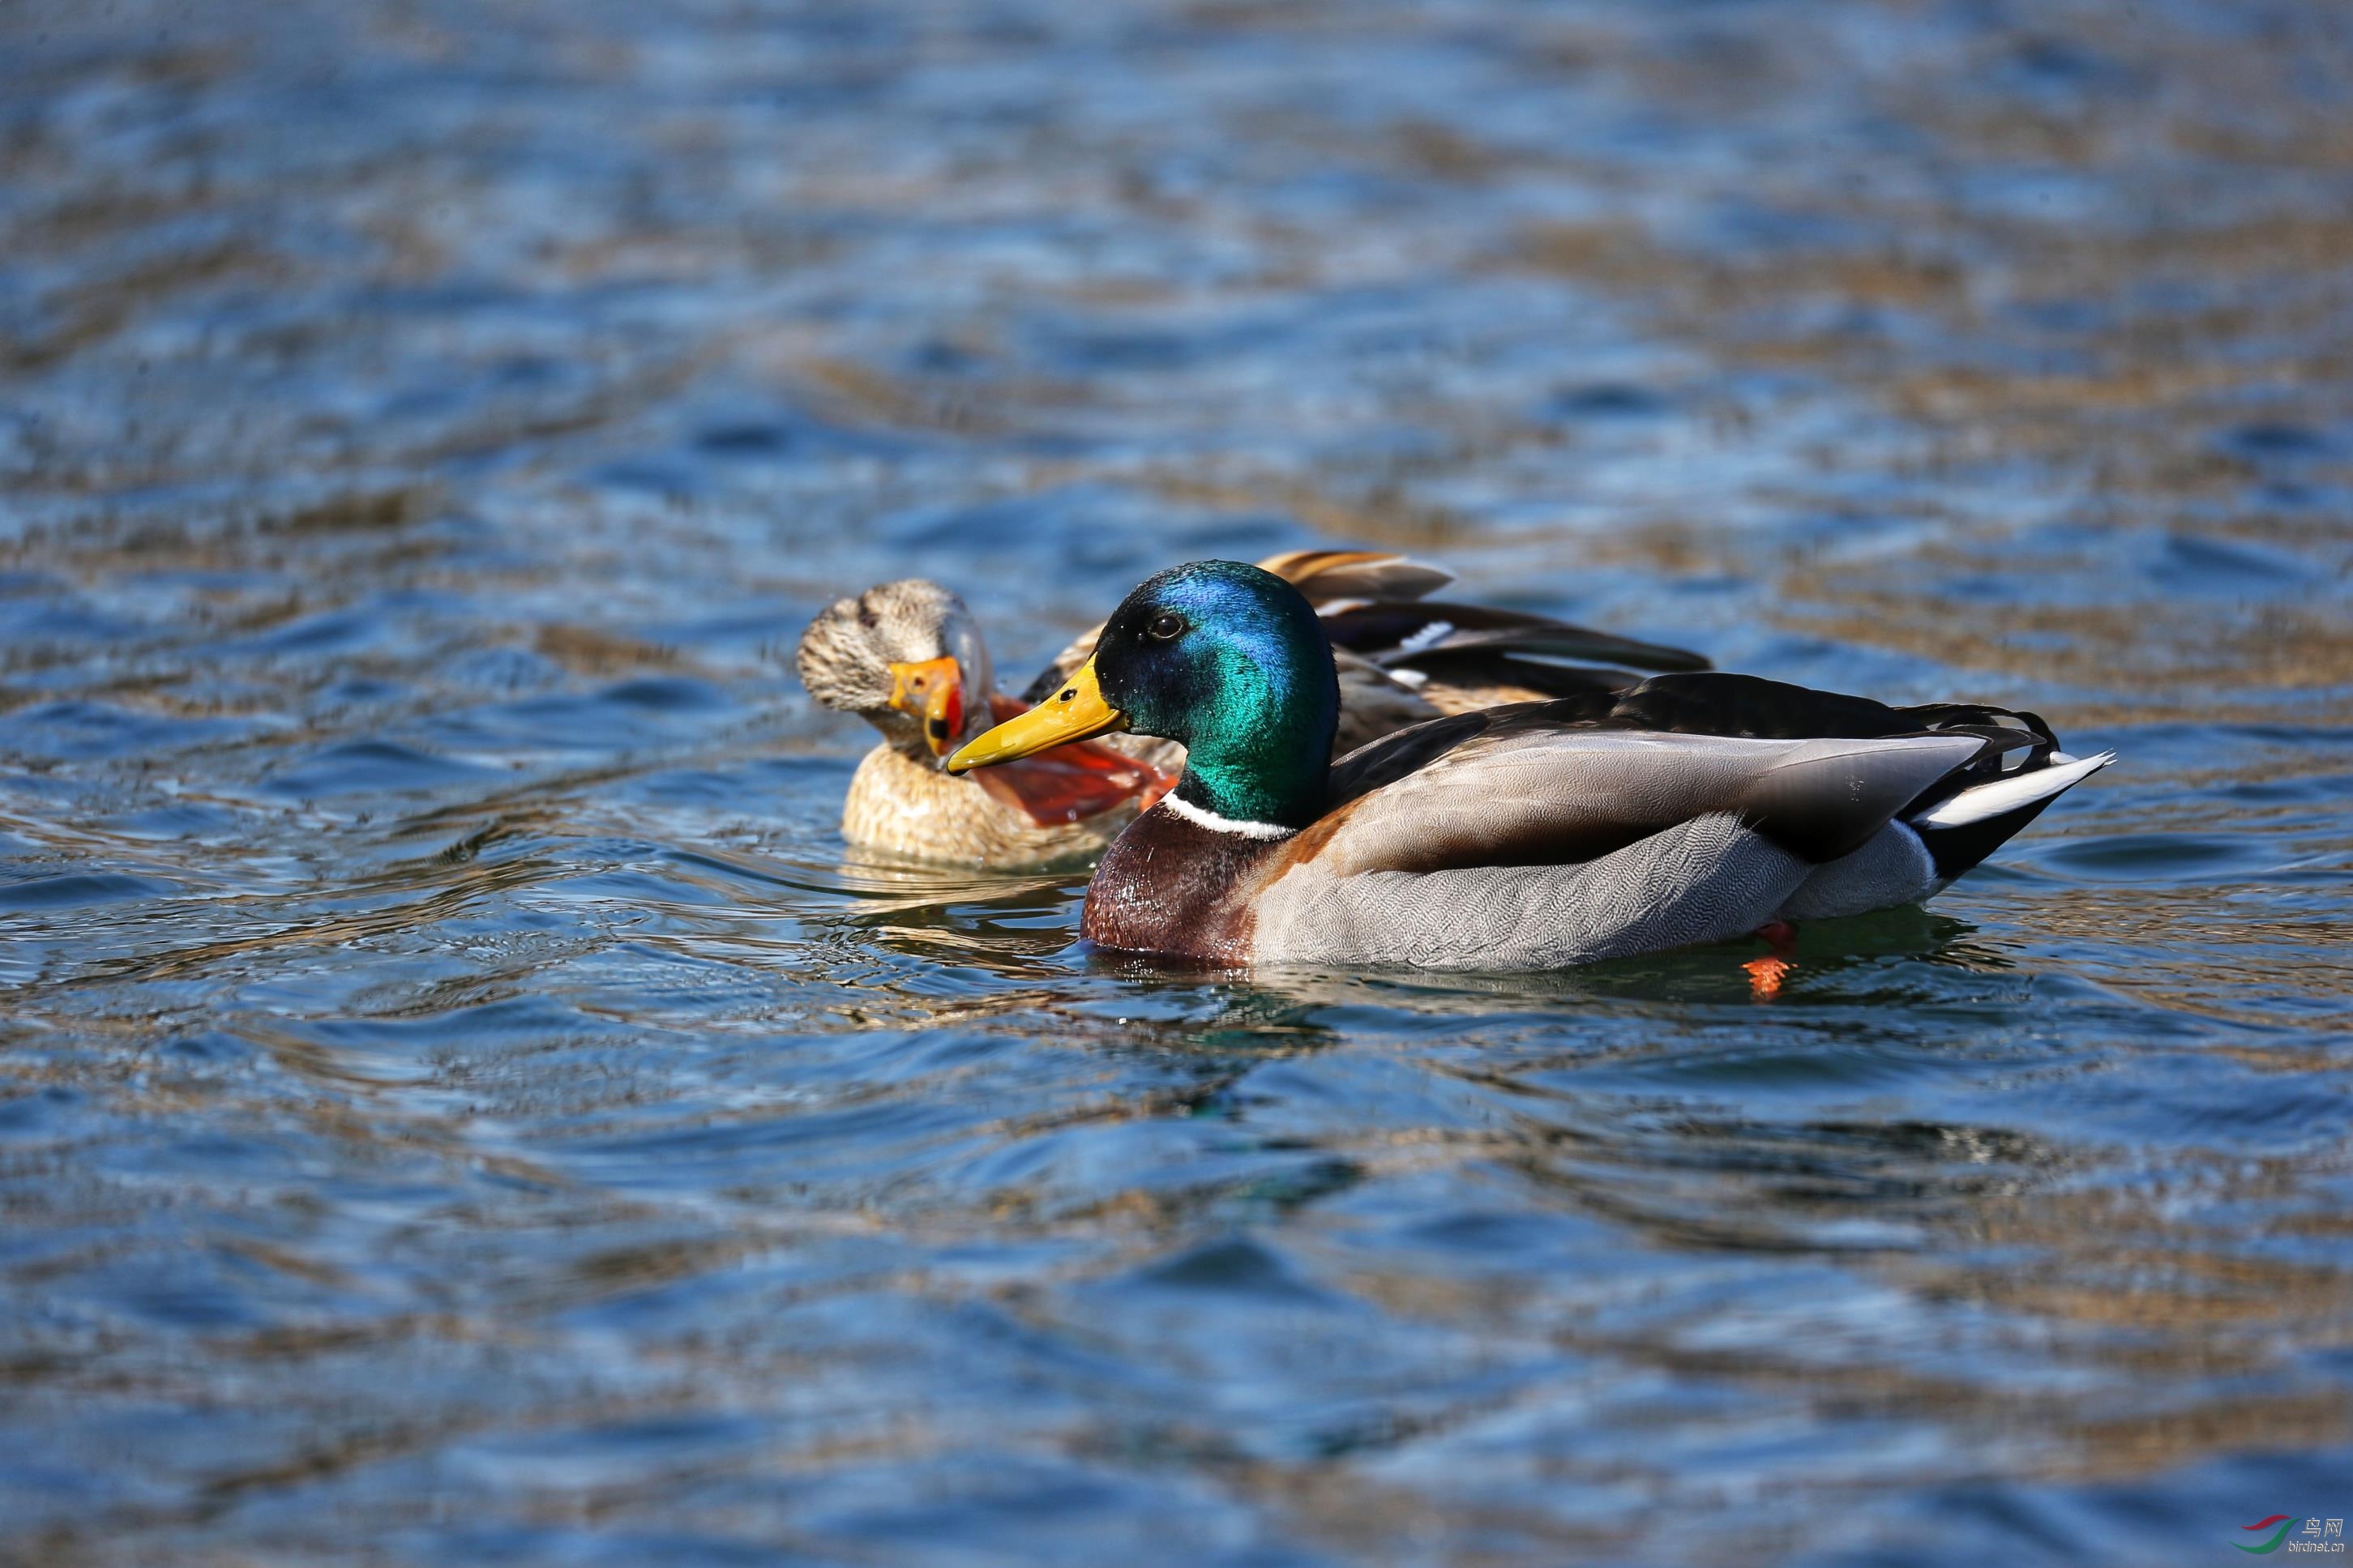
(902, 805)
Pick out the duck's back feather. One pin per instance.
(1521, 793)
(1420, 634)
(1684, 809)
(1742, 707)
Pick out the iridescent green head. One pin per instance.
(1231, 661)
(1223, 657)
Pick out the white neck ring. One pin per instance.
(1216, 824)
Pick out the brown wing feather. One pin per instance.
(1323, 576)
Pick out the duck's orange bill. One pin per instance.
(1072, 713)
(1072, 783)
(933, 691)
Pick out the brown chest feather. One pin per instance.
(1174, 888)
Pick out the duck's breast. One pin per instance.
(1174, 888)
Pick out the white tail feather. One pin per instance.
(1979, 802)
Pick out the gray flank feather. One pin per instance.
(1703, 881)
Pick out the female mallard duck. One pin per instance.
(1686, 809)
(908, 657)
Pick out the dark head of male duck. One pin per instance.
(1233, 662)
(1226, 658)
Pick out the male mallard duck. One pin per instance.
(1686, 809)
(908, 657)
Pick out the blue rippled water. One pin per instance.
(460, 1103)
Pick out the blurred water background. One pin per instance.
(460, 1103)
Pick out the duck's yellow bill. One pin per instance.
(1074, 712)
(933, 691)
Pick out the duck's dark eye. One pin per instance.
(1165, 626)
(868, 618)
